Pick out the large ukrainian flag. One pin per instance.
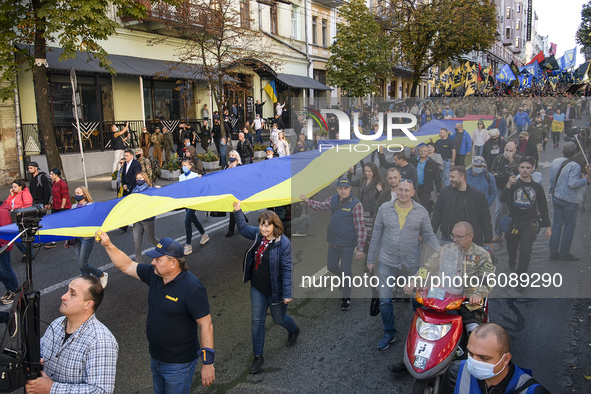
(269, 183)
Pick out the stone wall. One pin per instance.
(9, 167)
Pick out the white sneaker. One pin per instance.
(188, 249)
(204, 239)
(104, 279)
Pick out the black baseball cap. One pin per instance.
(33, 164)
(167, 247)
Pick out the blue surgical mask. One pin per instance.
(185, 169)
(140, 182)
(78, 198)
(477, 170)
(232, 159)
(481, 370)
(188, 144)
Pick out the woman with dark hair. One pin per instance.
(370, 187)
(60, 196)
(147, 225)
(19, 196)
(267, 265)
(83, 246)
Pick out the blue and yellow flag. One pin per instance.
(505, 75)
(269, 183)
(568, 60)
(271, 91)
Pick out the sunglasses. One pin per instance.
(406, 180)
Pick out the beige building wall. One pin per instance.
(9, 157)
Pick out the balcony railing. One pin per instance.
(96, 136)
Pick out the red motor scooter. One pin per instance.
(434, 338)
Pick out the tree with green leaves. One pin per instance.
(27, 27)
(427, 33)
(360, 52)
(583, 35)
(218, 43)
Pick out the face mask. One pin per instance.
(223, 142)
(78, 198)
(185, 169)
(456, 129)
(481, 370)
(138, 156)
(188, 144)
(140, 182)
(477, 170)
(232, 159)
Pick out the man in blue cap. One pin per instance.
(177, 304)
(345, 230)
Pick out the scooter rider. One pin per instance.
(476, 261)
(489, 368)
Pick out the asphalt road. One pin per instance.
(336, 351)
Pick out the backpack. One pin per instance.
(40, 177)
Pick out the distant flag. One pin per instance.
(582, 71)
(550, 64)
(506, 75)
(568, 60)
(553, 81)
(553, 49)
(480, 74)
(539, 57)
(531, 69)
(471, 81)
(271, 90)
(457, 77)
(514, 68)
(525, 82)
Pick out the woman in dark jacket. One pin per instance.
(267, 265)
(370, 187)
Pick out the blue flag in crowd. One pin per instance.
(505, 75)
(568, 60)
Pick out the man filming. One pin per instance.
(79, 352)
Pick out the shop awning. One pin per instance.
(302, 82)
(124, 65)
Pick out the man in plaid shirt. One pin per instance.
(79, 352)
(345, 231)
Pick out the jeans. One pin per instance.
(171, 378)
(446, 168)
(191, 218)
(563, 226)
(523, 240)
(521, 128)
(478, 150)
(259, 137)
(345, 255)
(7, 276)
(556, 137)
(259, 303)
(386, 291)
(82, 250)
(139, 228)
(20, 246)
(118, 155)
(499, 208)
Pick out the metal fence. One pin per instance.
(96, 136)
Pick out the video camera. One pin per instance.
(16, 366)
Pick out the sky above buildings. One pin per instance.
(560, 20)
